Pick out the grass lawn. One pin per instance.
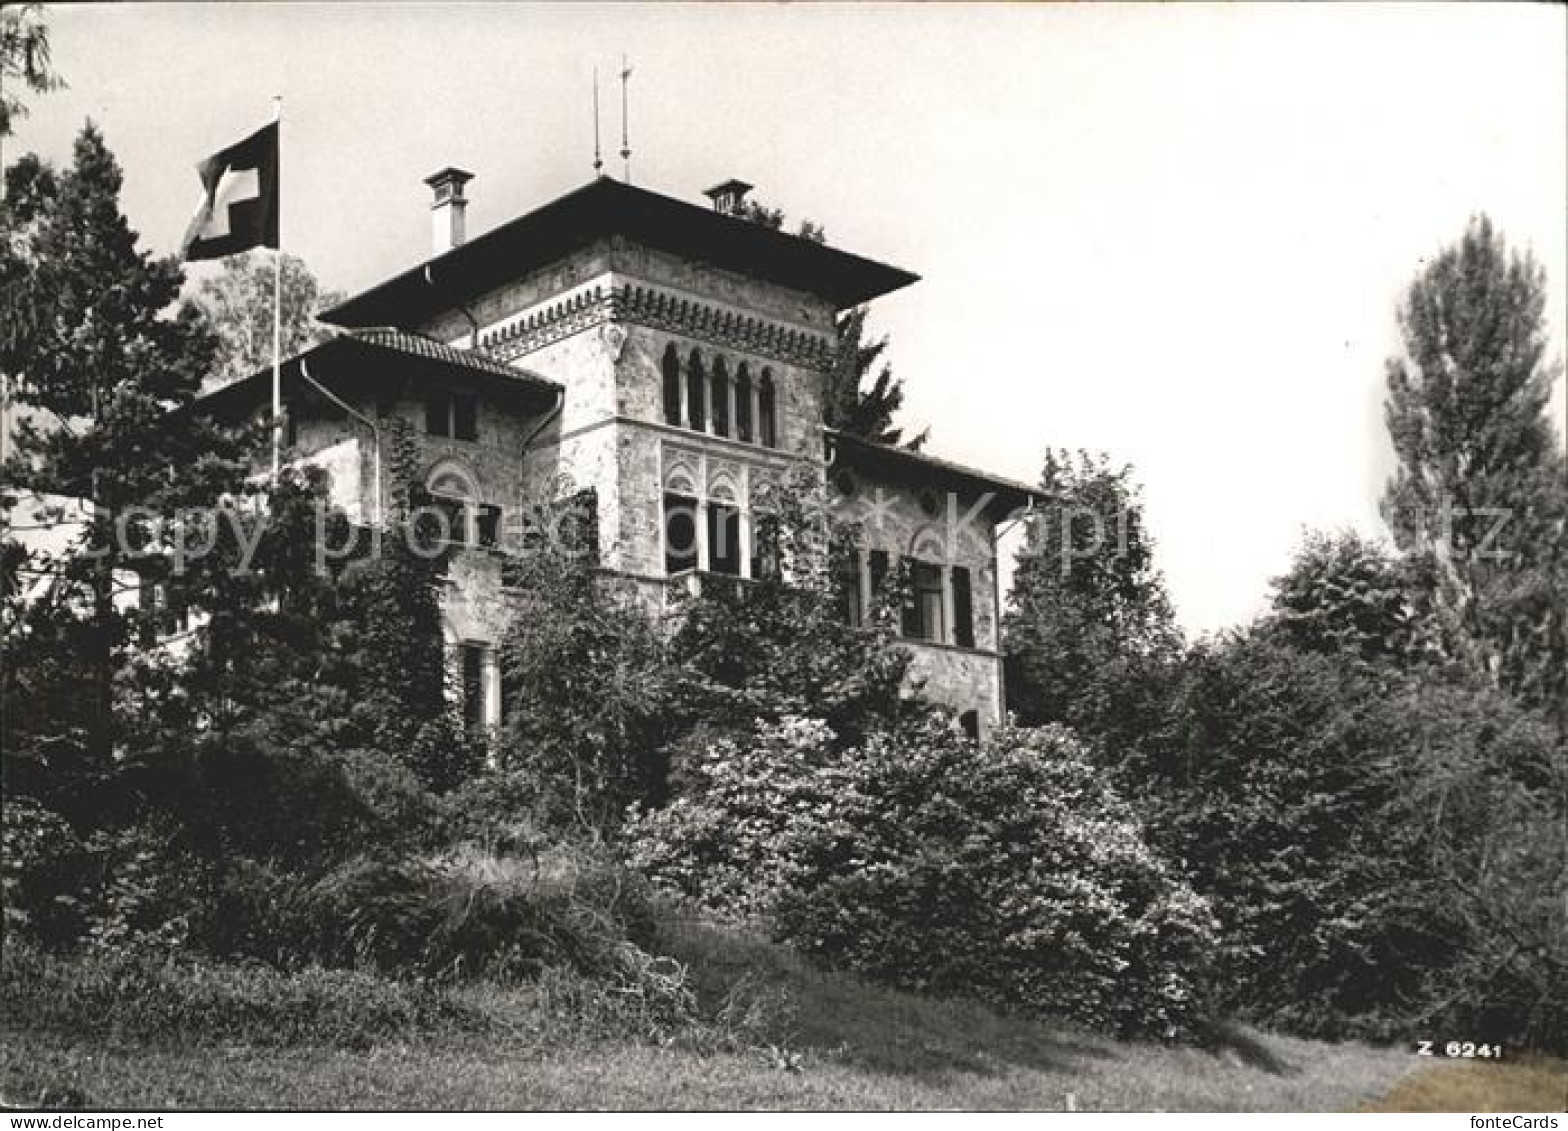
(1473, 1085)
(840, 1044)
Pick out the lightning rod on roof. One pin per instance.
(626, 148)
(598, 161)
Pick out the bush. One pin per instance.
(502, 810)
(45, 874)
(241, 796)
(1384, 851)
(152, 1000)
(1006, 871)
(149, 889)
(1484, 787)
(463, 912)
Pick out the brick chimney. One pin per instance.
(728, 197)
(447, 227)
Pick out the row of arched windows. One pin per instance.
(709, 398)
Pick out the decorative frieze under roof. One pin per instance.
(657, 309)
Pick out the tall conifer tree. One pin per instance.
(99, 355)
(1481, 491)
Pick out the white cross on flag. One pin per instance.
(239, 203)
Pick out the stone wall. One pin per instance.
(941, 528)
(959, 678)
(599, 322)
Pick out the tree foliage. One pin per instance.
(1088, 619)
(849, 402)
(1346, 593)
(1383, 848)
(1006, 871)
(586, 680)
(106, 368)
(1481, 490)
(25, 60)
(605, 701)
(238, 305)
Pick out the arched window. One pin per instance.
(681, 514)
(743, 403)
(467, 521)
(721, 398)
(767, 414)
(672, 385)
(724, 536)
(452, 493)
(696, 393)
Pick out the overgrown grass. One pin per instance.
(764, 1030)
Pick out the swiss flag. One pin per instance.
(239, 204)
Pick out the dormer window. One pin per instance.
(452, 414)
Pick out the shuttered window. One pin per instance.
(963, 608)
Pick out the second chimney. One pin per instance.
(447, 228)
(729, 198)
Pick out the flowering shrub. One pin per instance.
(1007, 871)
(43, 872)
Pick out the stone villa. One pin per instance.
(670, 357)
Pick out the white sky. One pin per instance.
(1173, 232)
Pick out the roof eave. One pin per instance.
(328, 357)
(1008, 495)
(605, 208)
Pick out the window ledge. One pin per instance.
(943, 646)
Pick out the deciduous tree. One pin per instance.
(1089, 623)
(1346, 593)
(25, 61)
(238, 303)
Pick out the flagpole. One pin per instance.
(277, 311)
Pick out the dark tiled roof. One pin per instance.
(607, 207)
(420, 346)
(378, 354)
(848, 450)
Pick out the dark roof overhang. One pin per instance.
(853, 453)
(604, 208)
(383, 362)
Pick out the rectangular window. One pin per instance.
(724, 546)
(438, 414)
(472, 658)
(849, 586)
(452, 414)
(764, 547)
(878, 570)
(488, 521)
(465, 416)
(963, 608)
(923, 611)
(455, 526)
(680, 534)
